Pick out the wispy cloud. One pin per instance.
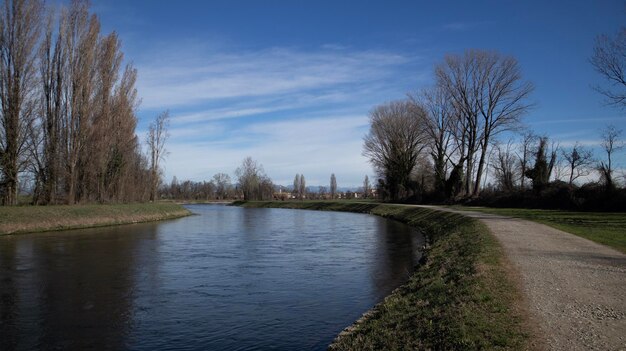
(312, 146)
(465, 26)
(183, 81)
(295, 111)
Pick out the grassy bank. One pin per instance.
(460, 297)
(604, 228)
(25, 219)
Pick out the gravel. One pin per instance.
(574, 289)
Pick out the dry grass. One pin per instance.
(26, 219)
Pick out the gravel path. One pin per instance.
(575, 289)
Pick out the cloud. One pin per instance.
(294, 111)
(311, 146)
(465, 26)
(190, 78)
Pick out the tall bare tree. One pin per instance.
(302, 187)
(53, 65)
(611, 143)
(222, 183)
(524, 154)
(490, 94)
(296, 186)
(441, 118)
(367, 187)
(333, 186)
(81, 32)
(20, 28)
(156, 138)
(395, 140)
(609, 59)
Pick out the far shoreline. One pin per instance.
(35, 219)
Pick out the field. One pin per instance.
(604, 228)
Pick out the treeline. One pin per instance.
(251, 184)
(67, 109)
(250, 175)
(447, 144)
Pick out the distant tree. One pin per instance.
(525, 154)
(222, 184)
(578, 161)
(609, 59)
(253, 182)
(505, 167)
(540, 173)
(302, 187)
(333, 186)
(366, 187)
(395, 140)
(322, 191)
(611, 143)
(156, 138)
(490, 94)
(174, 189)
(296, 186)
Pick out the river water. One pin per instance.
(226, 278)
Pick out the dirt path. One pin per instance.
(575, 289)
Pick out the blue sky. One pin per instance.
(291, 83)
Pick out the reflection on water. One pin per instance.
(229, 278)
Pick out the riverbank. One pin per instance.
(27, 219)
(460, 297)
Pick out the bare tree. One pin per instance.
(156, 138)
(441, 118)
(394, 143)
(302, 187)
(505, 166)
(80, 42)
(578, 161)
(488, 90)
(222, 184)
(609, 59)
(52, 62)
(322, 192)
(67, 114)
(611, 143)
(253, 182)
(20, 28)
(333, 186)
(366, 187)
(296, 186)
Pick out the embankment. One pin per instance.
(27, 219)
(460, 297)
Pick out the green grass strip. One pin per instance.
(604, 228)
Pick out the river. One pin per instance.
(226, 278)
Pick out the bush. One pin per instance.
(557, 196)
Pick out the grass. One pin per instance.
(460, 297)
(604, 228)
(26, 219)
